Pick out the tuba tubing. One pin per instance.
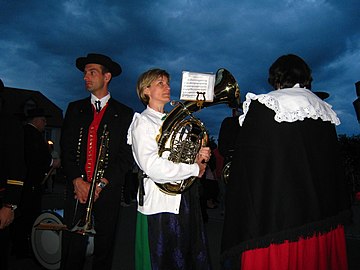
(226, 91)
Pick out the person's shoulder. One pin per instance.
(230, 120)
(144, 120)
(30, 131)
(79, 102)
(28, 127)
(120, 106)
(78, 106)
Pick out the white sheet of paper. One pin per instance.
(197, 86)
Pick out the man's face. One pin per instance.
(95, 80)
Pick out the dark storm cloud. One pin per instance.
(40, 41)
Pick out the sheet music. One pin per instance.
(197, 86)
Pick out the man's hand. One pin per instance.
(98, 189)
(6, 217)
(81, 189)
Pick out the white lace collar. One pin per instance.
(292, 104)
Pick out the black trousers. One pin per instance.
(105, 214)
(29, 209)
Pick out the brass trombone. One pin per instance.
(85, 225)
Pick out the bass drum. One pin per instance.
(46, 242)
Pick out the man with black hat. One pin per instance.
(12, 174)
(38, 162)
(84, 124)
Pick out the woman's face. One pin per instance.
(159, 91)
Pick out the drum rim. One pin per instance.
(58, 217)
(41, 258)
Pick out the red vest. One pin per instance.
(92, 143)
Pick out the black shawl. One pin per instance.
(286, 182)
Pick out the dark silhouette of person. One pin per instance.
(12, 175)
(287, 200)
(38, 162)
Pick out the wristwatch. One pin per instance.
(102, 184)
(11, 206)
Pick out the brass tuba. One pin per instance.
(182, 134)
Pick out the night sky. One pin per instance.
(40, 41)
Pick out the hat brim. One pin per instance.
(322, 95)
(24, 116)
(37, 115)
(114, 68)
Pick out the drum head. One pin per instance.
(46, 243)
(46, 239)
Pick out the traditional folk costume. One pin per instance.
(286, 199)
(170, 232)
(81, 136)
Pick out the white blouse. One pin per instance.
(142, 137)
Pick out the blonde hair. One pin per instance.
(145, 81)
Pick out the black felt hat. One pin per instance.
(95, 58)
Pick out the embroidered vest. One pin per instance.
(92, 143)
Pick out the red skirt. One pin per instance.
(321, 252)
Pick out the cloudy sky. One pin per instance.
(40, 40)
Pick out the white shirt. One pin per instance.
(103, 101)
(142, 134)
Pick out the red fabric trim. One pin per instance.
(92, 142)
(320, 252)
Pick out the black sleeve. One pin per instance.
(12, 161)
(120, 153)
(228, 131)
(70, 138)
(37, 155)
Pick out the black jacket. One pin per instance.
(78, 118)
(12, 163)
(37, 156)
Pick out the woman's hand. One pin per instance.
(202, 157)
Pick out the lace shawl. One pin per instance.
(292, 104)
